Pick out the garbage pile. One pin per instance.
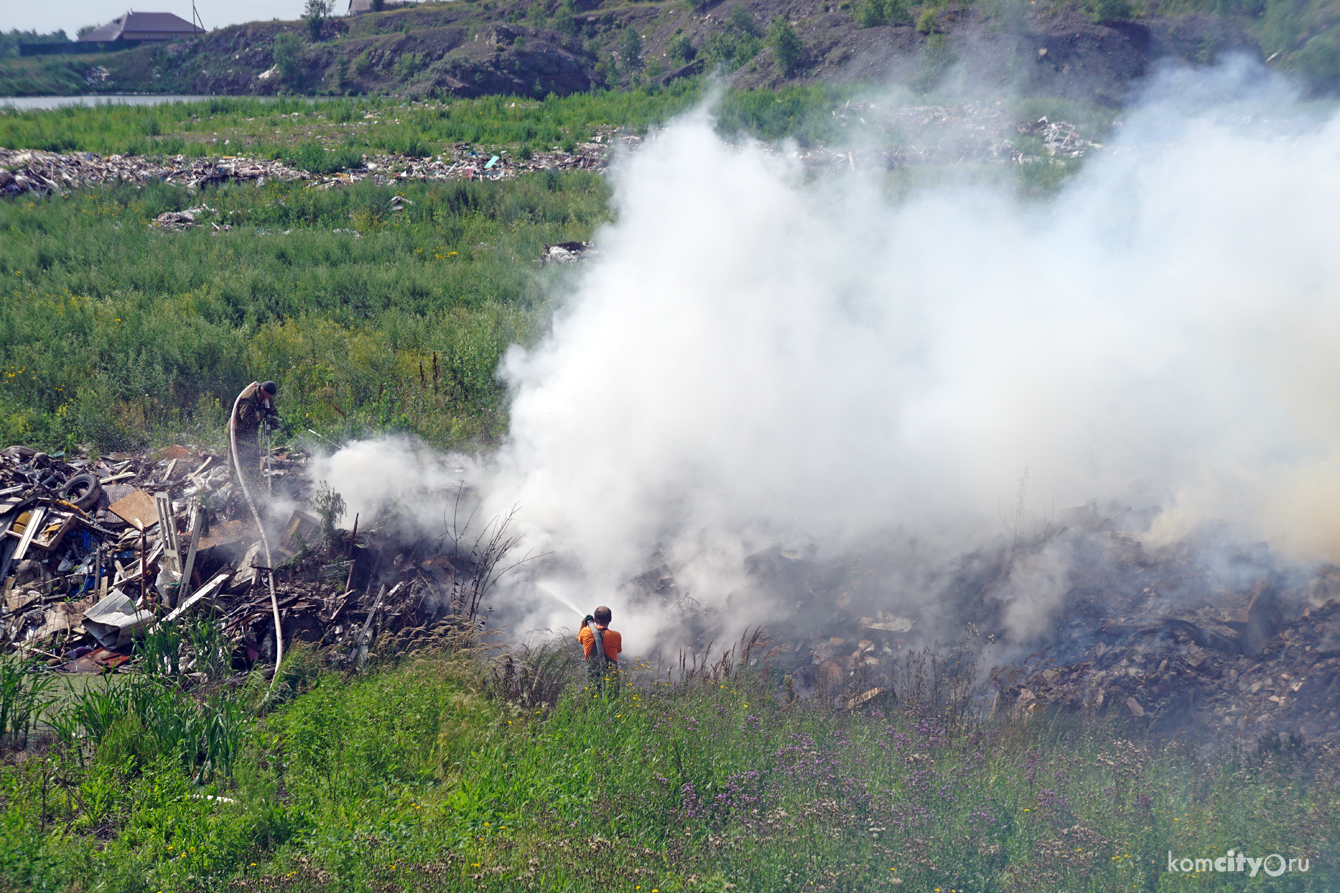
(1239, 668)
(902, 135)
(1205, 639)
(97, 555)
(52, 173)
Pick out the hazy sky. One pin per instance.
(74, 14)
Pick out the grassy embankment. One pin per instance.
(117, 335)
(439, 772)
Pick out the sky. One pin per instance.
(71, 15)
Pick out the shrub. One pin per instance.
(681, 48)
(315, 14)
(362, 64)
(870, 13)
(630, 49)
(737, 42)
(786, 46)
(1102, 11)
(287, 55)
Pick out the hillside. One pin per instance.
(1090, 50)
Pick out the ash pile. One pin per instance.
(95, 556)
(1203, 639)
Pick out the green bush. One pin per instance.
(735, 44)
(681, 48)
(870, 13)
(787, 49)
(1319, 61)
(1104, 11)
(287, 54)
(630, 49)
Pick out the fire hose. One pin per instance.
(265, 541)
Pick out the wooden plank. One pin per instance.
(34, 523)
(137, 509)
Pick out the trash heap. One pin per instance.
(97, 555)
(1217, 642)
(53, 173)
(1240, 668)
(901, 135)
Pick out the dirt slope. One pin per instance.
(470, 49)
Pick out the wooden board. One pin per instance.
(138, 508)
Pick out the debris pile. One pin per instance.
(97, 555)
(899, 136)
(1237, 668)
(52, 173)
(48, 173)
(1216, 641)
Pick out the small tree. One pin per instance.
(315, 14)
(287, 56)
(681, 48)
(869, 13)
(630, 49)
(786, 46)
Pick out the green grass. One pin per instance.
(115, 333)
(421, 775)
(277, 127)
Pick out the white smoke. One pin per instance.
(761, 358)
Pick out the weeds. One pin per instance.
(450, 772)
(24, 695)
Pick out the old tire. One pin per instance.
(83, 490)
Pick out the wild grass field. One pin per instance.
(457, 768)
(452, 771)
(375, 307)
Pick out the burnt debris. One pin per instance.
(97, 554)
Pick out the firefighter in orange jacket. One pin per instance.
(601, 645)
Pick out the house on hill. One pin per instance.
(147, 27)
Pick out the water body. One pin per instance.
(31, 103)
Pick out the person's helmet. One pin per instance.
(269, 387)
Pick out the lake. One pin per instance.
(29, 103)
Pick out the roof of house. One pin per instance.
(356, 6)
(133, 24)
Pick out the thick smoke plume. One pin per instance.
(761, 358)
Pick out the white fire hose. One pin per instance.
(260, 525)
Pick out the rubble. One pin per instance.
(1209, 640)
(1197, 671)
(53, 173)
(95, 555)
(898, 136)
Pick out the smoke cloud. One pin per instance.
(764, 358)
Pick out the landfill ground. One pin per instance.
(98, 554)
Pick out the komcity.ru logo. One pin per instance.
(1273, 865)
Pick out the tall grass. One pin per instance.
(114, 333)
(293, 128)
(428, 774)
(25, 693)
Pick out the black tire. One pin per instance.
(83, 490)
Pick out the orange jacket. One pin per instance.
(613, 642)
